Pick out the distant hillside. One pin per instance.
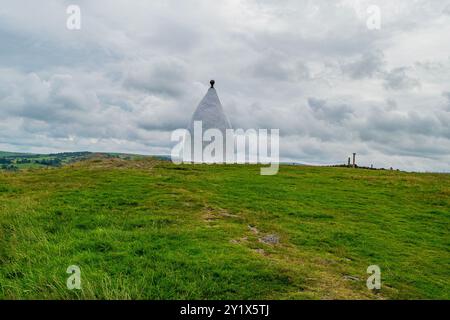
(10, 154)
(13, 161)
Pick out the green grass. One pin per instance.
(147, 229)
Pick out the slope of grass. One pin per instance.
(146, 229)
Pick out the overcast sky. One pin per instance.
(137, 70)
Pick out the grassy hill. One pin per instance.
(16, 161)
(147, 229)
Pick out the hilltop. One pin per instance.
(13, 161)
(148, 229)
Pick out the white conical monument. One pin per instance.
(210, 112)
(209, 115)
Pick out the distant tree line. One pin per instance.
(70, 154)
(10, 167)
(14, 161)
(5, 161)
(22, 161)
(49, 162)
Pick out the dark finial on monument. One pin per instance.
(212, 82)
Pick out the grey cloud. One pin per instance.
(160, 77)
(388, 130)
(446, 10)
(418, 147)
(367, 65)
(273, 69)
(399, 79)
(447, 96)
(332, 113)
(279, 67)
(391, 104)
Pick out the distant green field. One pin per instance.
(9, 154)
(11, 161)
(148, 229)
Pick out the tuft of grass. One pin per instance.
(147, 229)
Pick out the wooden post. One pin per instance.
(354, 160)
(348, 162)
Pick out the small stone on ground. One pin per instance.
(270, 239)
